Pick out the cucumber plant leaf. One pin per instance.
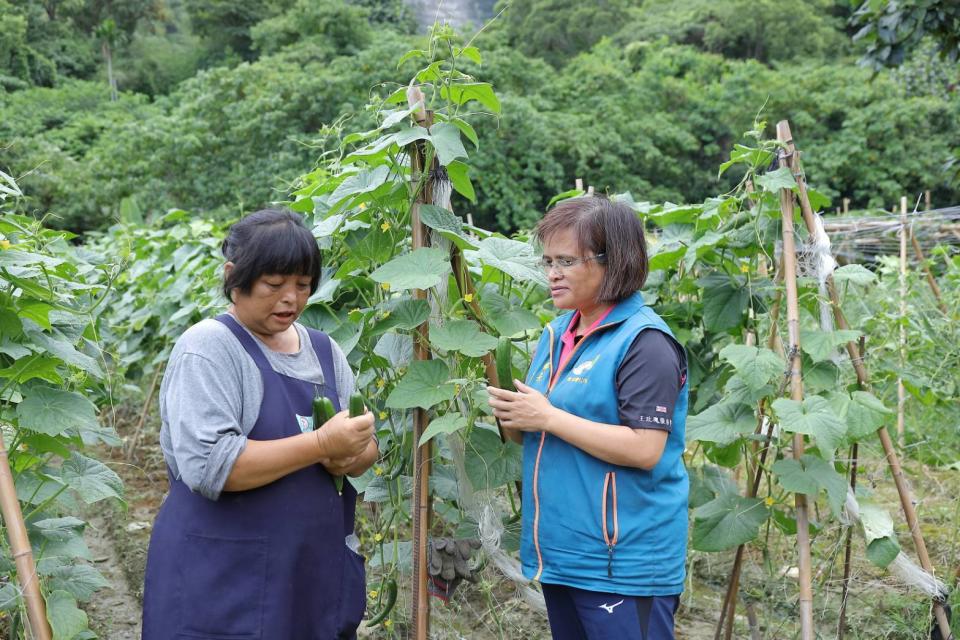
(448, 423)
(822, 345)
(727, 521)
(419, 269)
(809, 475)
(489, 462)
(54, 411)
(424, 385)
(463, 336)
(756, 366)
(721, 423)
(812, 417)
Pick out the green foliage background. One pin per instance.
(223, 103)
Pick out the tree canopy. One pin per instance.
(222, 105)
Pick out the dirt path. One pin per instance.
(114, 612)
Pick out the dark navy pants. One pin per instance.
(576, 614)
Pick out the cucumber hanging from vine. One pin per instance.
(390, 599)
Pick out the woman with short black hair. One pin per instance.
(601, 419)
(253, 539)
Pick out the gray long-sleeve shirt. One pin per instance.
(211, 394)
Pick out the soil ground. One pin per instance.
(879, 606)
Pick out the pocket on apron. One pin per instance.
(354, 593)
(222, 586)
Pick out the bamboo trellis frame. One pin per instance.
(791, 157)
(893, 460)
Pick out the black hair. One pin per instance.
(602, 226)
(270, 241)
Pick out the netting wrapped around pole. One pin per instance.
(481, 506)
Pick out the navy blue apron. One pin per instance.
(266, 564)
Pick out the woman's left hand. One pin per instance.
(526, 409)
(353, 466)
(339, 466)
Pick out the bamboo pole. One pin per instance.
(420, 605)
(893, 461)
(848, 549)
(22, 552)
(901, 390)
(796, 382)
(926, 269)
(807, 213)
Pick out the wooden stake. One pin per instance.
(848, 544)
(133, 443)
(926, 269)
(901, 390)
(420, 614)
(893, 461)
(846, 206)
(796, 382)
(578, 183)
(926, 200)
(21, 550)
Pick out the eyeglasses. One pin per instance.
(565, 263)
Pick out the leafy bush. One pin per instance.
(742, 28)
(52, 373)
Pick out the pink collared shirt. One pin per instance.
(569, 337)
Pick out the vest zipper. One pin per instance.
(610, 488)
(536, 478)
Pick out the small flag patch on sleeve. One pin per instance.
(661, 409)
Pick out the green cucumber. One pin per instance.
(323, 412)
(357, 406)
(390, 599)
(504, 361)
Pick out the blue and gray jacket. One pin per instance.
(588, 523)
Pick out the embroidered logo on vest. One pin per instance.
(305, 423)
(543, 371)
(583, 367)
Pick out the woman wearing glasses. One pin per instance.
(601, 419)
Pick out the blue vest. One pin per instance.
(588, 523)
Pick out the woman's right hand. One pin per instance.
(345, 437)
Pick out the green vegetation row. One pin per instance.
(53, 386)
